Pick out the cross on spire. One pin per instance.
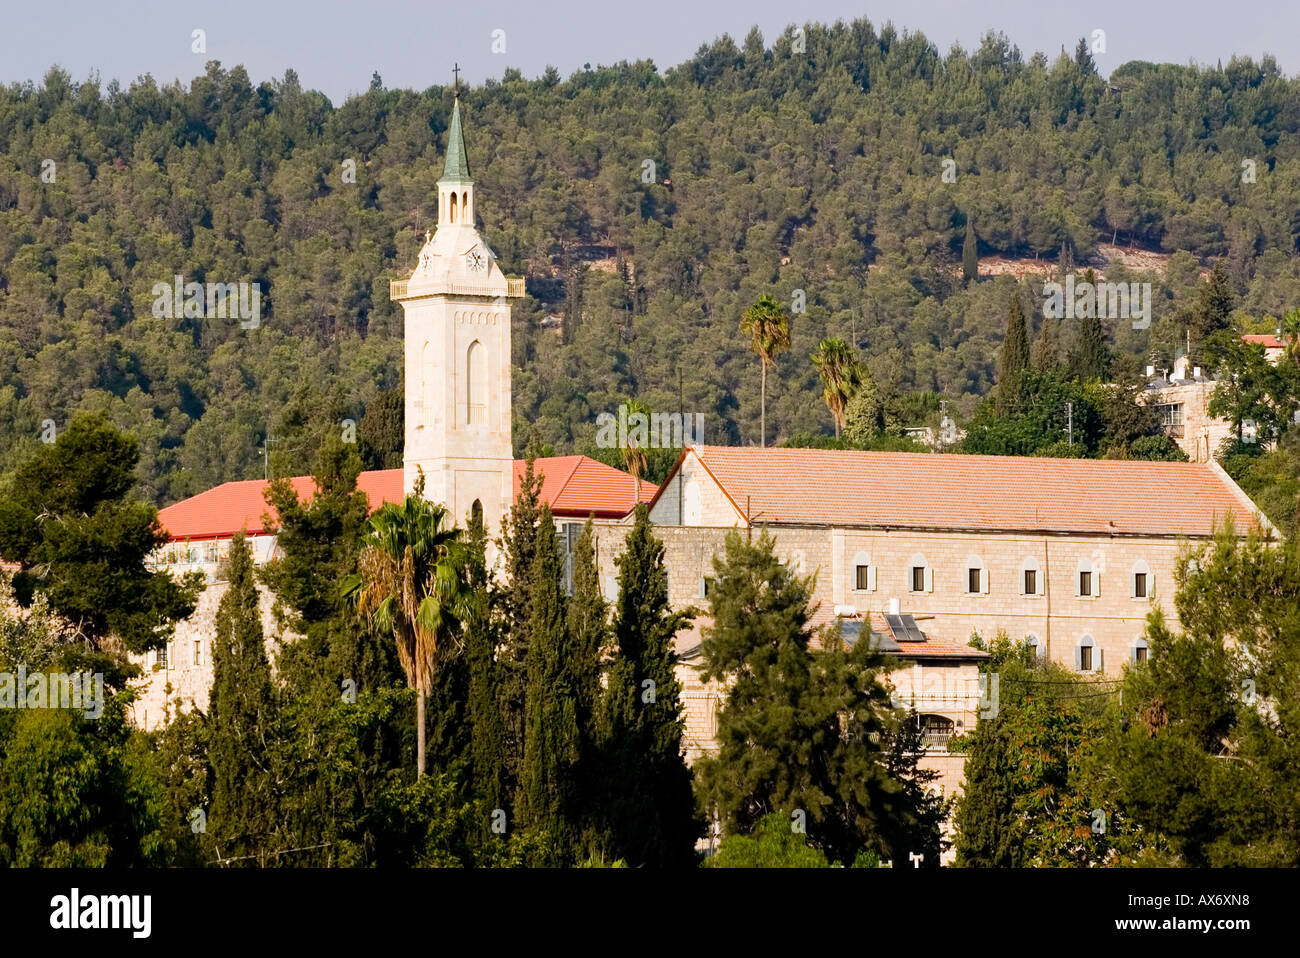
(456, 73)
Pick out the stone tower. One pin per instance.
(457, 356)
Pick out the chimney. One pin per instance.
(893, 607)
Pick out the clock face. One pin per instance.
(475, 260)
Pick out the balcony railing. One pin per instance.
(400, 288)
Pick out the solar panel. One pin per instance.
(914, 633)
(904, 628)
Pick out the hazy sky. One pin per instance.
(336, 46)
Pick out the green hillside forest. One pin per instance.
(647, 207)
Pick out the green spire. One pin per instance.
(457, 167)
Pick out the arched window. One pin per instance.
(1138, 651)
(862, 574)
(1031, 577)
(920, 577)
(476, 513)
(452, 217)
(1035, 645)
(1139, 583)
(476, 384)
(936, 730)
(1087, 655)
(976, 580)
(1087, 580)
(464, 207)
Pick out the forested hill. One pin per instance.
(773, 170)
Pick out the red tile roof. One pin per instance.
(575, 486)
(930, 648)
(578, 486)
(907, 490)
(1267, 340)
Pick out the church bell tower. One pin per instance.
(457, 356)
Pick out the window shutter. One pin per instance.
(1133, 654)
(702, 587)
(984, 581)
(1096, 582)
(929, 579)
(871, 578)
(1078, 658)
(1096, 660)
(1132, 585)
(611, 587)
(1078, 578)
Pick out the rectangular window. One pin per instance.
(162, 657)
(707, 589)
(198, 654)
(973, 580)
(1085, 583)
(1085, 657)
(1139, 654)
(570, 532)
(863, 578)
(918, 578)
(1031, 582)
(1140, 585)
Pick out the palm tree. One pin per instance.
(412, 579)
(634, 457)
(768, 328)
(840, 376)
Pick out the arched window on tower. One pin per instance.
(453, 207)
(476, 513)
(464, 206)
(476, 384)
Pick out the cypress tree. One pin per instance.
(1015, 353)
(487, 731)
(650, 815)
(241, 720)
(1045, 357)
(588, 624)
(1094, 357)
(519, 547)
(1214, 302)
(551, 737)
(970, 257)
(589, 633)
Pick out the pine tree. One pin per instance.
(798, 730)
(551, 736)
(241, 721)
(970, 257)
(650, 816)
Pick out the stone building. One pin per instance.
(913, 552)
(1068, 554)
(1182, 397)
